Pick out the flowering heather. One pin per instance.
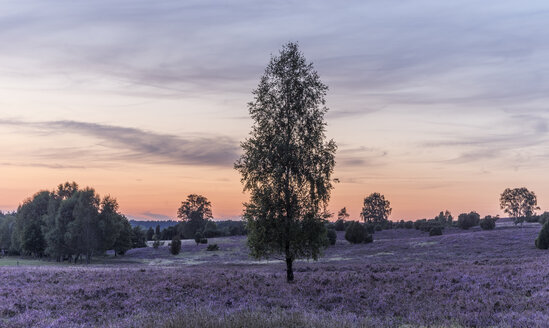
(474, 279)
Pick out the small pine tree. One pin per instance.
(175, 247)
(355, 233)
(542, 242)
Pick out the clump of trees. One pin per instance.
(519, 203)
(488, 223)
(68, 223)
(287, 163)
(468, 220)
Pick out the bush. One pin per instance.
(378, 227)
(368, 239)
(198, 237)
(175, 246)
(542, 242)
(466, 221)
(435, 231)
(339, 225)
(419, 223)
(332, 236)
(212, 247)
(355, 233)
(203, 240)
(488, 223)
(370, 228)
(156, 242)
(409, 224)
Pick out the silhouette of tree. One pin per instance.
(518, 203)
(287, 162)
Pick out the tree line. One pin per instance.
(67, 224)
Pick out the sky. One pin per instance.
(435, 104)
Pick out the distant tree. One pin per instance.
(488, 223)
(445, 218)
(376, 209)
(138, 237)
(157, 231)
(466, 221)
(210, 229)
(194, 212)
(150, 234)
(198, 237)
(85, 227)
(332, 236)
(7, 227)
(175, 246)
(287, 163)
(124, 241)
(28, 237)
(519, 203)
(156, 242)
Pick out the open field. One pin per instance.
(463, 278)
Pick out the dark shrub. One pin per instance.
(198, 237)
(370, 228)
(368, 239)
(175, 246)
(332, 236)
(466, 221)
(542, 242)
(339, 225)
(488, 223)
(156, 242)
(212, 247)
(435, 231)
(204, 241)
(419, 223)
(409, 224)
(378, 227)
(355, 233)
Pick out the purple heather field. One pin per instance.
(404, 278)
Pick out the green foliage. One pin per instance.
(139, 237)
(488, 223)
(332, 236)
(466, 221)
(519, 203)
(7, 227)
(203, 240)
(124, 241)
(286, 163)
(175, 246)
(156, 242)
(212, 247)
(356, 233)
(376, 209)
(444, 218)
(28, 237)
(194, 212)
(210, 230)
(150, 234)
(409, 225)
(542, 242)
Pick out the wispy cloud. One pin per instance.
(132, 144)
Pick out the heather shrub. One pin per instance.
(355, 233)
(488, 223)
(175, 246)
(332, 236)
(466, 221)
(212, 247)
(435, 231)
(542, 242)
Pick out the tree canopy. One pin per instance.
(287, 163)
(194, 212)
(519, 203)
(376, 209)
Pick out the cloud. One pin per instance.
(45, 165)
(132, 144)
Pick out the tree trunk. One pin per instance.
(289, 269)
